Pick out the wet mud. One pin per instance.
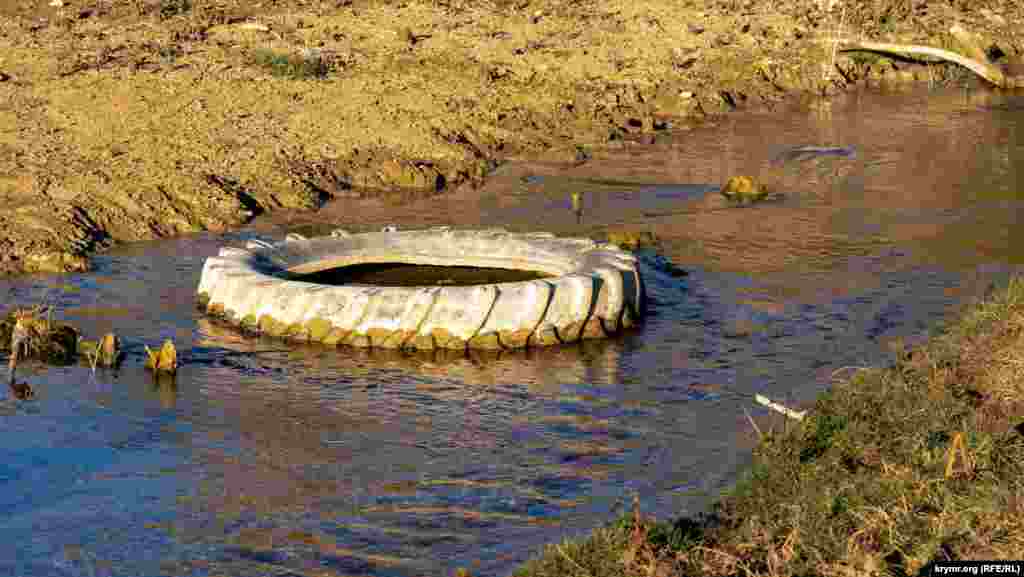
(129, 121)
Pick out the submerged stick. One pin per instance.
(19, 340)
(12, 364)
(805, 152)
(760, 436)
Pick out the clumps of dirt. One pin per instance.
(31, 333)
(49, 238)
(632, 240)
(105, 352)
(162, 117)
(163, 361)
(744, 190)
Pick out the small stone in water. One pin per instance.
(744, 189)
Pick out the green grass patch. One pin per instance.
(893, 469)
(172, 8)
(310, 66)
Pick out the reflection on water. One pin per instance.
(266, 459)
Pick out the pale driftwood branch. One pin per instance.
(798, 415)
(990, 73)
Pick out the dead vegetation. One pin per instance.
(33, 334)
(163, 361)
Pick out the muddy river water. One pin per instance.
(264, 459)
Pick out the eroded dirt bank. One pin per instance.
(133, 120)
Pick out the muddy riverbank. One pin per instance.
(130, 121)
(259, 459)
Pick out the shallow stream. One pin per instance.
(266, 459)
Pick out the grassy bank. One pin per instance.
(892, 469)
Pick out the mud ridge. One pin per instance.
(135, 121)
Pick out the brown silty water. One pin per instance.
(263, 458)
